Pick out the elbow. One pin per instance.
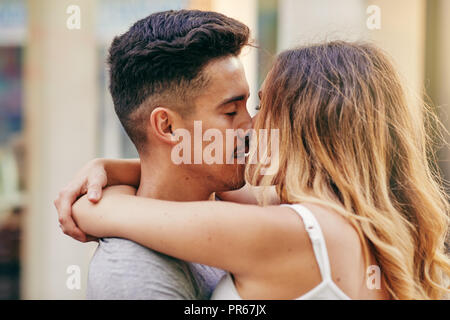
(83, 212)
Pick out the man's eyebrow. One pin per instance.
(233, 99)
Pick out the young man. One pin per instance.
(169, 70)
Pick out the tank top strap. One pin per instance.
(317, 239)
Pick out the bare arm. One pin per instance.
(90, 180)
(100, 173)
(250, 194)
(229, 236)
(123, 171)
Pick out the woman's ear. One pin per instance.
(161, 121)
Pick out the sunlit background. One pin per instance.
(56, 112)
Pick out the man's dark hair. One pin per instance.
(161, 58)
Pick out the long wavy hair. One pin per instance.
(350, 140)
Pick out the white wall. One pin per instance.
(402, 36)
(303, 21)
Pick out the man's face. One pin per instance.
(221, 105)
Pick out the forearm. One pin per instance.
(221, 234)
(123, 171)
(147, 220)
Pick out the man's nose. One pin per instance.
(247, 122)
(246, 125)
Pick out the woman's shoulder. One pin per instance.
(296, 257)
(284, 238)
(333, 225)
(341, 241)
(284, 273)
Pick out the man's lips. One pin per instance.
(242, 150)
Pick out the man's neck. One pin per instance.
(166, 181)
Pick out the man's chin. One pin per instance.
(237, 181)
(238, 185)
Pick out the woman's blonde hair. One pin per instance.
(350, 140)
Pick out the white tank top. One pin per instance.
(326, 290)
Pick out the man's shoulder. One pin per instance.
(119, 245)
(123, 269)
(125, 251)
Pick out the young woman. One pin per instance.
(357, 190)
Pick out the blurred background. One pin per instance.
(56, 112)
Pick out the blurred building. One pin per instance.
(56, 112)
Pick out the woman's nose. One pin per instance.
(254, 120)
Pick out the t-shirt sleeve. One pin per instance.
(121, 269)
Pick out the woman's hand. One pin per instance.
(90, 180)
(94, 218)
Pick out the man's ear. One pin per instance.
(161, 121)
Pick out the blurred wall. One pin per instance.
(303, 22)
(60, 112)
(402, 36)
(438, 71)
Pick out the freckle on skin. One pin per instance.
(187, 178)
(338, 279)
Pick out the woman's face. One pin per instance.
(260, 95)
(264, 146)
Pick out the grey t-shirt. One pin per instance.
(122, 269)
